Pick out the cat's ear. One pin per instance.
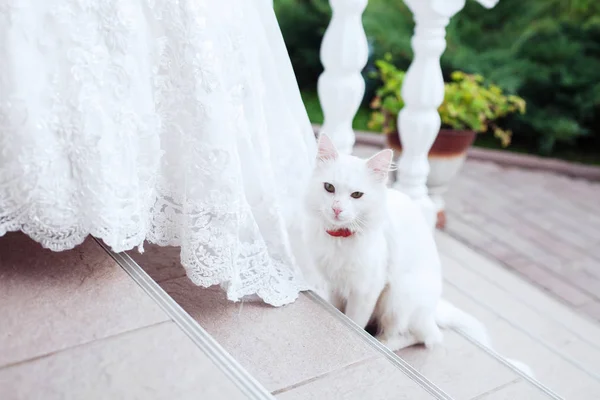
(326, 149)
(381, 164)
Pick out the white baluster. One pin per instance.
(423, 92)
(344, 53)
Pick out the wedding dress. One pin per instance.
(174, 121)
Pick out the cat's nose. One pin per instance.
(337, 211)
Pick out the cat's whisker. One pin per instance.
(357, 225)
(361, 221)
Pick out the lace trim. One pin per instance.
(152, 120)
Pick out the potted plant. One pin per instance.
(470, 106)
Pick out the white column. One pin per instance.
(341, 87)
(423, 92)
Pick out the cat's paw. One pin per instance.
(434, 339)
(397, 342)
(382, 339)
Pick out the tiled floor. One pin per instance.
(293, 351)
(54, 291)
(374, 378)
(560, 346)
(157, 362)
(459, 368)
(254, 334)
(78, 332)
(300, 351)
(73, 325)
(543, 226)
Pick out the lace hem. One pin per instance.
(135, 120)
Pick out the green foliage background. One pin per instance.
(546, 51)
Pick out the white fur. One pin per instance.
(388, 270)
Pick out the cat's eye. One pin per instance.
(329, 187)
(357, 195)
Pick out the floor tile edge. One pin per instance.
(402, 365)
(229, 366)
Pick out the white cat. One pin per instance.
(376, 252)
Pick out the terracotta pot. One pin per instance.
(446, 157)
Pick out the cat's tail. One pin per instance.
(449, 316)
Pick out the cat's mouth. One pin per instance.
(341, 224)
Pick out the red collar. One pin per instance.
(344, 232)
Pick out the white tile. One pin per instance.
(375, 379)
(521, 291)
(50, 301)
(505, 304)
(549, 368)
(520, 389)
(279, 346)
(458, 367)
(158, 362)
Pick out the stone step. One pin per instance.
(560, 345)
(75, 325)
(309, 350)
(80, 324)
